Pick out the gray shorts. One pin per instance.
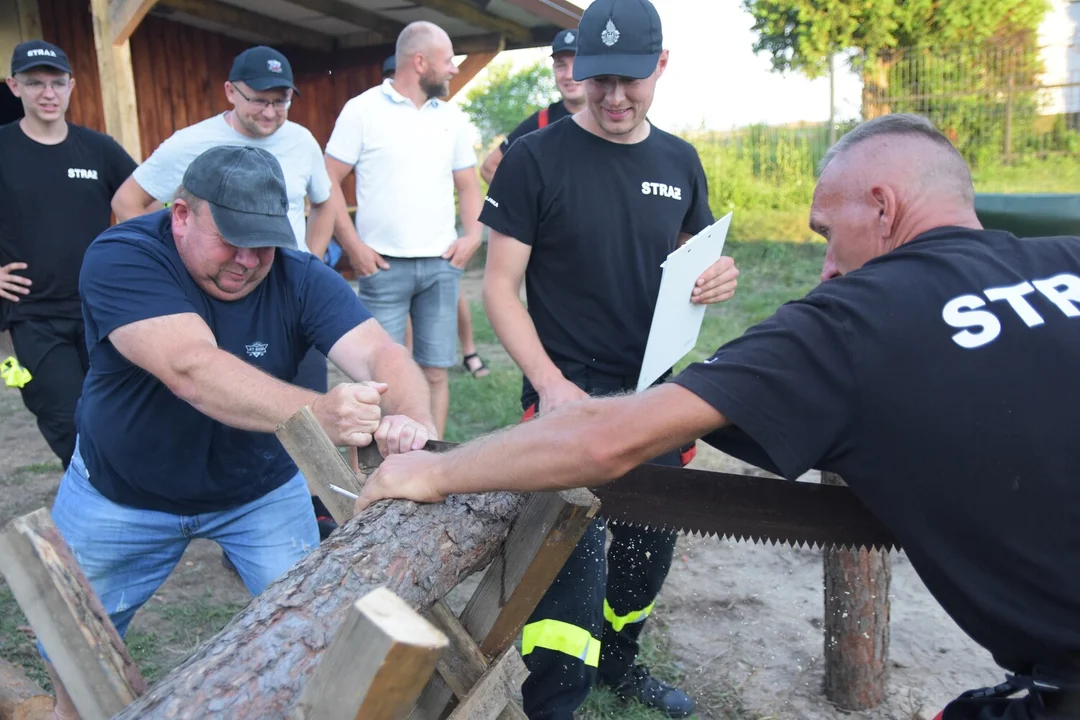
(426, 288)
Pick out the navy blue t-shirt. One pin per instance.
(144, 446)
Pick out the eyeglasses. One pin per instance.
(278, 105)
(36, 86)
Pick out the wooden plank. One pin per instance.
(381, 25)
(560, 12)
(20, 697)
(467, 12)
(537, 547)
(67, 617)
(320, 462)
(490, 696)
(117, 80)
(125, 16)
(468, 69)
(274, 30)
(377, 664)
(29, 19)
(488, 42)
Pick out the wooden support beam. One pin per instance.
(539, 543)
(29, 19)
(278, 32)
(467, 12)
(320, 462)
(117, 82)
(388, 28)
(468, 69)
(486, 43)
(67, 617)
(376, 666)
(559, 12)
(490, 696)
(125, 16)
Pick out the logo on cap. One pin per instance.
(37, 53)
(273, 66)
(568, 37)
(610, 36)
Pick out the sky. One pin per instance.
(714, 80)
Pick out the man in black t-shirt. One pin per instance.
(586, 211)
(56, 181)
(573, 100)
(934, 371)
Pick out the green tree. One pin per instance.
(802, 34)
(506, 98)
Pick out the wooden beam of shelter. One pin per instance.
(275, 30)
(125, 16)
(469, 68)
(377, 664)
(467, 12)
(559, 12)
(117, 82)
(388, 28)
(68, 617)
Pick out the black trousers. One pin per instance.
(54, 351)
(586, 627)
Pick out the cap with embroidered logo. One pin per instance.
(565, 41)
(38, 53)
(618, 37)
(245, 189)
(389, 65)
(262, 68)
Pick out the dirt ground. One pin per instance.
(737, 617)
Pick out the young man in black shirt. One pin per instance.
(56, 181)
(563, 49)
(586, 210)
(934, 371)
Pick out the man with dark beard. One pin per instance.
(410, 150)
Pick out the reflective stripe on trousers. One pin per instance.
(561, 637)
(618, 622)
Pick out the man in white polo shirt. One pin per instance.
(410, 150)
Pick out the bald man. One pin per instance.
(934, 371)
(410, 151)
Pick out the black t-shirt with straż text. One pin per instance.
(601, 218)
(555, 111)
(940, 381)
(54, 200)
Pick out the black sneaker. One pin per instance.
(642, 687)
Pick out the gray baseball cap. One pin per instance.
(245, 189)
(618, 37)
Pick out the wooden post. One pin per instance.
(320, 462)
(117, 82)
(539, 543)
(469, 68)
(67, 617)
(489, 697)
(856, 623)
(377, 664)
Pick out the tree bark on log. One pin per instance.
(856, 623)
(257, 666)
(20, 697)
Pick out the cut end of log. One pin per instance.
(20, 697)
(399, 620)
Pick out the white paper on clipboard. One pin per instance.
(677, 321)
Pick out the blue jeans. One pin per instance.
(127, 553)
(425, 288)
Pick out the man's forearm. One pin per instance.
(125, 210)
(344, 229)
(320, 226)
(237, 394)
(470, 203)
(516, 331)
(408, 392)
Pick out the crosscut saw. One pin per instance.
(740, 507)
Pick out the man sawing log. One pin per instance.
(933, 370)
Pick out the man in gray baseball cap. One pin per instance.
(196, 319)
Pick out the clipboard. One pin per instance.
(676, 321)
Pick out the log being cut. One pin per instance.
(257, 666)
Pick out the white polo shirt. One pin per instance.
(404, 160)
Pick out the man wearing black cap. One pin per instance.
(389, 67)
(573, 100)
(196, 317)
(261, 89)
(56, 180)
(586, 211)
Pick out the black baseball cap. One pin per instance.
(262, 68)
(618, 37)
(245, 189)
(38, 53)
(565, 41)
(389, 65)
